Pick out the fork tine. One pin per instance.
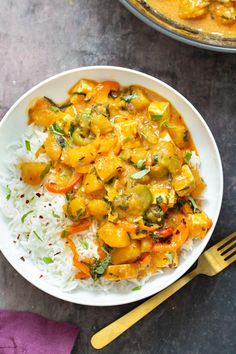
(230, 260)
(222, 243)
(229, 254)
(228, 247)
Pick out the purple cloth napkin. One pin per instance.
(28, 333)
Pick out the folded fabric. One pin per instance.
(28, 333)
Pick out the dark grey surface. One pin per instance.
(41, 38)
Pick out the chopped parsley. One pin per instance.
(155, 158)
(169, 256)
(99, 267)
(129, 98)
(47, 260)
(140, 174)
(25, 216)
(55, 215)
(27, 145)
(193, 205)
(166, 124)
(37, 235)
(187, 157)
(45, 171)
(156, 117)
(8, 191)
(137, 288)
(84, 244)
(141, 164)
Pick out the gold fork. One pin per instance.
(210, 263)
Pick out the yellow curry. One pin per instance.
(218, 17)
(122, 156)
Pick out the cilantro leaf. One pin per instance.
(156, 117)
(47, 260)
(187, 157)
(140, 174)
(129, 98)
(99, 267)
(193, 205)
(25, 216)
(27, 145)
(56, 129)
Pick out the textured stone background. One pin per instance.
(39, 38)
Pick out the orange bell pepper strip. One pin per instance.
(83, 225)
(102, 90)
(64, 188)
(80, 265)
(180, 235)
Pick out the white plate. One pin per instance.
(14, 124)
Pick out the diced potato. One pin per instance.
(158, 171)
(33, 172)
(52, 148)
(199, 224)
(79, 156)
(126, 154)
(149, 133)
(108, 167)
(168, 194)
(161, 260)
(159, 111)
(141, 101)
(100, 124)
(183, 182)
(75, 208)
(179, 134)
(138, 154)
(192, 8)
(91, 183)
(98, 208)
(107, 144)
(111, 192)
(127, 129)
(146, 244)
(121, 272)
(84, 86)
(168, 156)
(127, 254)
(113, 235)
(42, 113)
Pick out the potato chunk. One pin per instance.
(91, 183)
(108, 167)
(33, 172)
(52, 148)
(199, 224)
(184, 182)
(127, 254)
(113, 235)
(121, 272)
(192, 8)
(98, 208)
(159, 111)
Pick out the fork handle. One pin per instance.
(116, 328)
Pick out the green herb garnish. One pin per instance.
(54, 108)
(8, 191)
(37, 235)
(64, 233)
(99, 267)
(141, 164)
(140, 174)
(137, 288)
(169, 255)
(187, 157)
(156, 117)
(84, 244)
(56, 129)
(194, 205)
(55, 215)
(155, 158)
(27, 145)
(47, 260)
(45, 171)
(129, 98)
(166, 124)
(159, 200)
(25, 216)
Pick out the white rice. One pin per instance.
(39, 236)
